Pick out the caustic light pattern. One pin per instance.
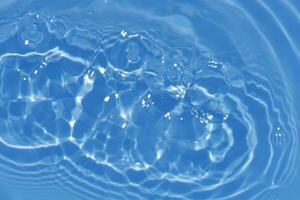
(105, 100)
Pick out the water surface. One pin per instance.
(134, 100)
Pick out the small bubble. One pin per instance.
(278, 137)
(225, 117)
(102, 70)
(215, 64)
(167, 115)
(106, 99)
(26, 42)
(210, 117)
(143, 103)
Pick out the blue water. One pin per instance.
(146, 100)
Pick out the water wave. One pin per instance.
(106, 100)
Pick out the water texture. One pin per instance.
(144, 100)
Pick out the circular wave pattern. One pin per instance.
(120, 112)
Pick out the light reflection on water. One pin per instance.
(136, 100)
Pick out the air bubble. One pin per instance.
(106, 99)
(278, 139)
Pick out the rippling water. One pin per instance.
(136, 100)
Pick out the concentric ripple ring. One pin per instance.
(176, 101)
